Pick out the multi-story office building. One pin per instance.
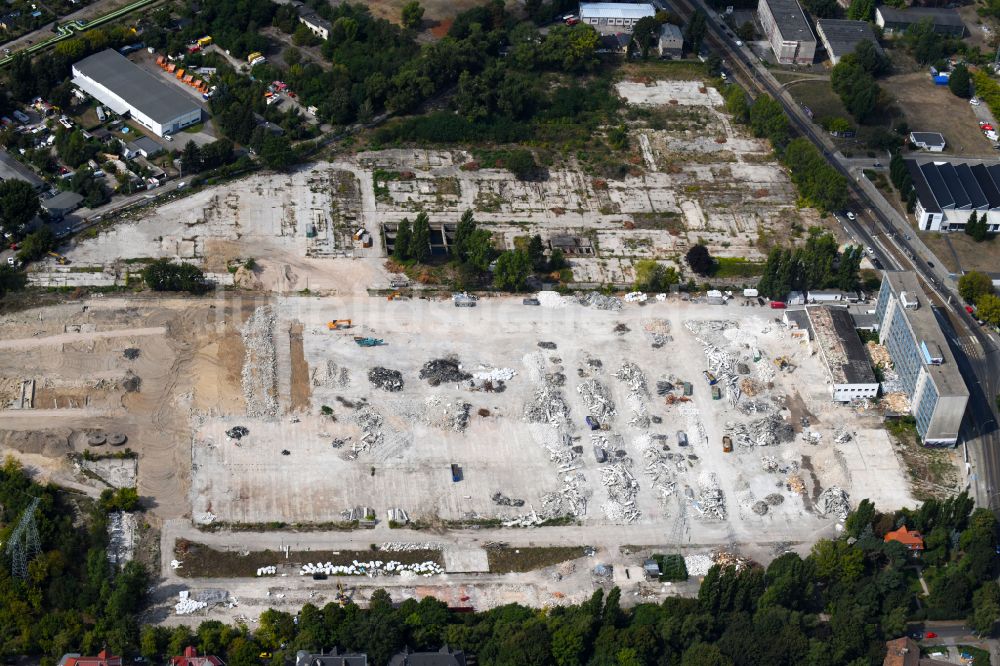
(920, 356)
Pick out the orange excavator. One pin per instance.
(338, 324)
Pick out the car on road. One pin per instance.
(930, 264)
(877, 264)
(930, 634)
(850, 216)
(739, 43)
(877, 165)
(975, 101)
(870, 251)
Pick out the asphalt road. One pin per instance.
(880, 227)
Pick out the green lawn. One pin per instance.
(733, 267)
(820, 98)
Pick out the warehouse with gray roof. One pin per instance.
(129, 90)
(946, 21)
(840, 37)
(788, 31)
(949, 192)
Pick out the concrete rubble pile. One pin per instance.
(632, 376)
(834, 500)
(570, 500)
(599, 301)
(622, 490)
(121, 537)
(357, 513)
(259, 376)
(636, 297)
(710, 502)
(335, 376)
(751, 407)
(494, 375)
(407, 547)
(237, 432)
(725, 559)
(267, 571)
(447, 415)
(502, 500)
(371, 568)
(443, 371)
(770, 430)
(698, 565)
(549, 406)
(597, 399)
(842, 436)
(662, 468)
(370, 422)
(186, 605)
(551, 299)
(386, 379)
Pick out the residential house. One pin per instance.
(912, 539)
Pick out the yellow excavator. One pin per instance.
(59, 258)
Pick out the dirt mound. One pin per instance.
(244, 278)
(49, 443)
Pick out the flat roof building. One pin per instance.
(318, 25)
(945, 21)
(930, 141)
(62, 204)
(788, 30)
(619, 16)
(849, 368)
(949, 192)
(840, 37)
(11, 169)
(127, 89)
(921, 358)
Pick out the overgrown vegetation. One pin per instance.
(811, 267)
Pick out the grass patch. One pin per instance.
(201, 561)
(380, 182)
(735, 267)
(980, 657)
(194, 129)
(672, 567)
(675, 70)
(668, 221)
(86, 269)
(518, 560)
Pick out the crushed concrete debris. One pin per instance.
(407, 547)
(259, 375)
(774, 499)
(622, 490)
(371, 568)
(834, 500)
(842, 436)
(710, 501)
(370, 422)
(335, 376)
(549, 406)
(795, 484)
(632, 376)
(386, 379)
(551, 299)
(697, 565)
(494, 375)
(767, 431)
(237, 432)
(726, 559)
(122, 531)
(187, 605)
(443, 370)
(131, 353)
(547, 345)
(502, 500)
(267, 571)
(599, 301)
(597, 399)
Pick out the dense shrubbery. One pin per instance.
(164, 275)
(810, 267)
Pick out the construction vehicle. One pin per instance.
(456, 473)
(59, 258)
(336, 324)
(393, 296)
(781, 362)
(727, 444)
(369, 342)
(712, 380)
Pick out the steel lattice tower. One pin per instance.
(24, 543)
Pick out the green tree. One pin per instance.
(856, 87)
(512, 270)
(37, 244)
(464, 231)
(645, 34)
(412, 14)
(191, 158)
(18, 205)
(960, 82)
(163, 275)
(694, 32)
(861, 10)
(974, 284)
(522, 164)
(11, 279)
(481, 252)
(699, 259)
(768, 120)
(401, 244)
(119, 499)
(985, 609)
(653, 276)
(276, 152)
(420, 239)
(536, 254)
(988, 309)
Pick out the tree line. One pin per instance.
(819, 264)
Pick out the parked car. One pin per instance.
(851, 216)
